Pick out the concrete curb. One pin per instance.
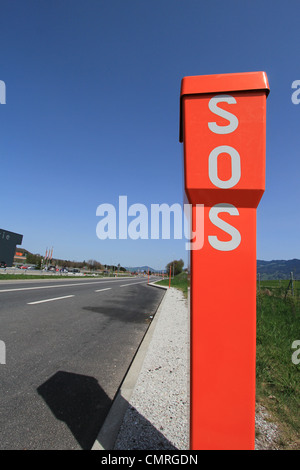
(109, 431)
(156, 285)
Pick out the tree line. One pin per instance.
(90, 265)
(176, 267)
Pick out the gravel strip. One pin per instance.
(157, 416)
(267, 433)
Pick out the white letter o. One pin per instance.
(235, 167)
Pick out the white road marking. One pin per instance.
(57, 285)
(49, 300)
(100, 290)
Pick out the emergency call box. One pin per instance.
(223, 129)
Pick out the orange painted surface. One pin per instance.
(224, 161)
(248, 140)
(223, 332)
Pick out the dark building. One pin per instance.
(8, 243)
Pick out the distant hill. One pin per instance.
(136, 269)
(278, 269)
(275, 269)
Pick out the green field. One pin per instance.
(9, 277)
(278, 378)
(13, 277)
(280, 287)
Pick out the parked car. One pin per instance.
(51, 268)
(3, 264)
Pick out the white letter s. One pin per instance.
(233, 120)
(235, 234)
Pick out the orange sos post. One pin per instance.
(223, 128)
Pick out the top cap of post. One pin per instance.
(222, 83)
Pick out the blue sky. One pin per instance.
(92, 112)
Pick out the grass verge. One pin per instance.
(277, 377)
(179, 282)
(12, 277)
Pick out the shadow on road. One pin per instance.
(81, 403)
(78, 401)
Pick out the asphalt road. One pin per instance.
(68, 346)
